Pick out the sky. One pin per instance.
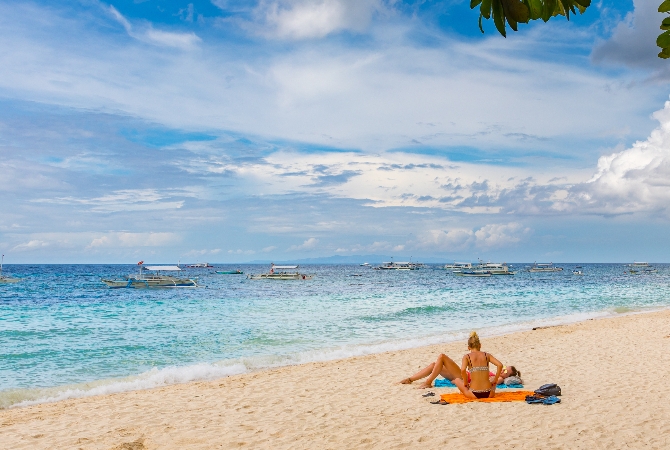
(254, 130)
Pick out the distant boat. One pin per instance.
(544, 267)
(577, 272)
(281, 273)
(230, 272)
(152, 280)
(639, 264)
(473, 273)
(458, 266)
(6, 279)
(399, 266)
(494, 268)
(202, 265)
(364, 264)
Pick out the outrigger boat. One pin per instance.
(152, 280)
(202, 265)
(546, 267)
(230, 272)
(6, 279)
(495, 268)
(399, 266)
(473, 273)
(281, 273)
(458, 266)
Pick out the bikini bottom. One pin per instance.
(482, 394)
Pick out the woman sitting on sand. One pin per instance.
(446, 367)
(478, 362)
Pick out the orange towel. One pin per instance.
(507, 396)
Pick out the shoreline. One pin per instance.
(203, 372)
(355, 403)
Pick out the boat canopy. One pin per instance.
(162, 268)
(285, 267)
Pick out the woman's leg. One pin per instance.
(464, 390)
(423, 373)
(440, 367)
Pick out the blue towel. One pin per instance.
(443, 382)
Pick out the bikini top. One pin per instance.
(479, 368)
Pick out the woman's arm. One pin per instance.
(464, 374)
(499, 365)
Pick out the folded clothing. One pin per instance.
(510, 396)
(537, 399)
(443, 382)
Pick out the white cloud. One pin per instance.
(202, 252)
(34, 244)
(126, 239)
(184, 41)
(302, 19)
(125, 200)
(269, 249)
(488, 237)
(309, 244)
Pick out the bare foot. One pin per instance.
(406, 381)
(425, 386)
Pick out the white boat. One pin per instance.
(578, 272)
(495, 268)
(639, 264)
(202, 265)
(458, 266)
(545, 267)
(473, 273)
(399, 266)
(364, 264)
(281, 273)
(154, 279)
(4, 278)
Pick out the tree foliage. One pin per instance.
(663, 40)
(514, 12)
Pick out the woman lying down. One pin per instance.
(474, 368)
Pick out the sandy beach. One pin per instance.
(612, 371)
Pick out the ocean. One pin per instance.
(65, 334)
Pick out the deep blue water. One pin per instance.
(64, 333)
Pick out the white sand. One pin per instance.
(612, 371)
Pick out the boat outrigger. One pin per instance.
(281, 273)
(4, 278)
(152, 280)
(229, 272)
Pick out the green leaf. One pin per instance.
(665, 53)
(516, 10)
(548, 10)
(566, 8)
(663, 40)
(474, 3)
(666, 24)
(480, 23)
(485, 9)
(535, 7)
(498, 17)
(584, 3)
(665, 6)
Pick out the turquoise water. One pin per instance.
(64, 334)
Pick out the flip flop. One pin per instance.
(551, 400)
(428, 394)
(439, 402)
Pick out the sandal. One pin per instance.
(428, 394)
(439, 402)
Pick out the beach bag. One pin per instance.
(548, 390)
(513, 381)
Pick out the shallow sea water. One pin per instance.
(64, 334)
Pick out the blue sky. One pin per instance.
(232, 130)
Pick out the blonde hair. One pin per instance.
(473, 341)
